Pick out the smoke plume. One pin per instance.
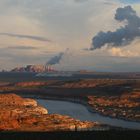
(122, 36)
(56, 59)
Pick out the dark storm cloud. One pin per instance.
(38, 38)
(123, 35)
(56, 59)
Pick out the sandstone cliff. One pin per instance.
(19, 114)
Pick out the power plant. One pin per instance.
(51, 72)
(49, 68)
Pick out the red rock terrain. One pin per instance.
(126, 106)
(31, 84)
(19, 114)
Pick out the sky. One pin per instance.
(34, 31)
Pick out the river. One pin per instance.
(79, 111)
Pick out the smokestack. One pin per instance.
(48, 68)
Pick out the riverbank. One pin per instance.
(117, 122)
(78, 101)
(20, 114)
(80, 112)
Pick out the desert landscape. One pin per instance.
(115, 98)
(69, 69)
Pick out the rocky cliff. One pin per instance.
(19, 114)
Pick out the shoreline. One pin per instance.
(84, 103)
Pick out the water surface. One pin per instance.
(80, 112)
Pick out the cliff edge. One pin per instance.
(19, 114)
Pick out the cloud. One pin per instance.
(122, 36)
(122, 53)
(38, 38)
(21, 47)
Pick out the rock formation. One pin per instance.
(19, 114)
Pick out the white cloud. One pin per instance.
(122, 53)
